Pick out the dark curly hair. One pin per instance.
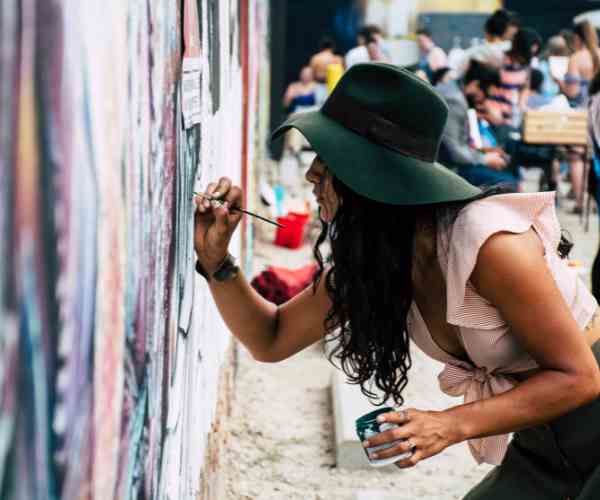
(370, 286)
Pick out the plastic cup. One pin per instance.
(367, 426)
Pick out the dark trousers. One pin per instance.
(528, 155)
(481, 175)
(554, 461)
(533, 155)
(521, 155)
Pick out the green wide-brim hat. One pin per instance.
(379, 133)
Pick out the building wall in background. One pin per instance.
(399, 19)
(297, 29)
(115, 368)
(548, 17)
(481, 6)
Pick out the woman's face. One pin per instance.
(321, 179)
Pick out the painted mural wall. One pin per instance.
(115, 369)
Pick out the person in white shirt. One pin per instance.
(432, 56)
(498, 33)
(375, 50)
(360, 53)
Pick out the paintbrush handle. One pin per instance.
(238, 209)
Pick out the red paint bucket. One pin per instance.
(292, 234)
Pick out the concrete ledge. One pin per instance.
(374, 495)
(348, 404)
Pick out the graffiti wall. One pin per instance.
(115, 368)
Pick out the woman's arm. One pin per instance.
(512, 273)
(270, 333)
(437, 59)
(290, 93)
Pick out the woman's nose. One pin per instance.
(311, 176)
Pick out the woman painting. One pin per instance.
(419, 256)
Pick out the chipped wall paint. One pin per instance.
(111, 350)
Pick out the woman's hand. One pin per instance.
(214, 222)
(428, 432)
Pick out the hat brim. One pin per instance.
(375, 171)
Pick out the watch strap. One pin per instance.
(201, 271)
(226, 270)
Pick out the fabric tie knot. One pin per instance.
(480, 374)
(460, 380)
(475, 383)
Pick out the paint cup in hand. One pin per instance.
(367, 426)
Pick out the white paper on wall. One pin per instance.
(192, 67)
(190, 86)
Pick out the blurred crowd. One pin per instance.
(490, 87)
(311, 89)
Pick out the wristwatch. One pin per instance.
(227, 270)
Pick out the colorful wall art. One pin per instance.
(115, 368)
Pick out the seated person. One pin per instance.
(300, 93)
(478, 167)
(491, 51)
(360, 53)
(375, 50)
(442, 75)
(432, 56)
(324, 58)
(583, 64)
(537, 99)
(514, 75)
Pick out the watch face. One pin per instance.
(227, 270)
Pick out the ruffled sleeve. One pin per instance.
(515, 213)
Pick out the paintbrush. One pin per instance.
(238, 209)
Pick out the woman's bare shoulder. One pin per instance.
(507, 256)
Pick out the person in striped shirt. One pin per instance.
(512, 93)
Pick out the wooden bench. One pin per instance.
(565, 127)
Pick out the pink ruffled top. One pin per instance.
(486, 337)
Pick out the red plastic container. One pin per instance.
(292, 234)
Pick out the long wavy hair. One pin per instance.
(369, 281)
